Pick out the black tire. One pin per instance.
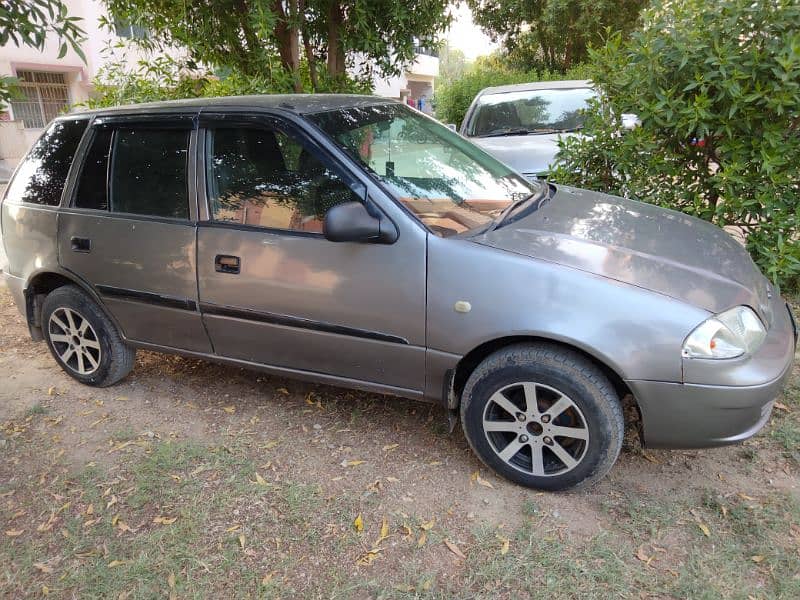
(595, 408)
(114, 358)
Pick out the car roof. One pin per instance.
(538, 85)
(297, 103)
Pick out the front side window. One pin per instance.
(445, 181)
(529, 112)
(149, 172)
(41, 177)
(263, 177)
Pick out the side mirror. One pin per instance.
(630, 121)
(350, 222)
(451, 127)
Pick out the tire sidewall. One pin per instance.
(586, 396)
(68, 297)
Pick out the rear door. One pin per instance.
(130, 229)
(273, 290)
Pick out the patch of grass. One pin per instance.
(37, 409)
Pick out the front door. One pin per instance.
(130, 230)
(273, 290)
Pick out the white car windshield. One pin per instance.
(448, 183)
(529, 112)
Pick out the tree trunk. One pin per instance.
(311, 59)
(288, 40)
(336, 66)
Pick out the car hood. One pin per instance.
(529, 154)
(639, 244)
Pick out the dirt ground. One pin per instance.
(191, 479)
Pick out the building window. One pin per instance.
(43, 96)
(130, 31)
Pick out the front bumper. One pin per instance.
(733, 407)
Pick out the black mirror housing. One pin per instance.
(351, 222)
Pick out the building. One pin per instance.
(416, 83)
(50, 84)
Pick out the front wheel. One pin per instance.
(543, 416)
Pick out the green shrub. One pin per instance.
(453, 98)
(726, 74)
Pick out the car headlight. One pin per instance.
(727, 335)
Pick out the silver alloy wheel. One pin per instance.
(74, 340)
(536, 429)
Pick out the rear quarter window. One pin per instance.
(41, 177)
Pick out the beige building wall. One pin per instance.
(58, 82)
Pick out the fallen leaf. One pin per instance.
(422, 539)
(123, 526)
(241, 540)
(165, 520)
(454, 549)
(406, 530)
(116, 563)
(111, 502)
(368, 557)
(90, 509)
(483, 482)
(428, 525)
(51, 390)
(757, 558)
(232, 528)
(260, 480)
(358, 523)
(642, 555)
(782, 406)
(651, 458)
(43, 568)
(704, 528)
(724, 510)
(229, 409)
(746, 497)
(267, 578)
(45, 590)
(15, 532)
(505, 544)
(390, 447)
(384, 531)
(283, 391)
(352, 463)
(392, 480)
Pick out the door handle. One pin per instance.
(79, 244)
(224, 263)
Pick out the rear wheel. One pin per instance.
(83, 340)
(543, 416)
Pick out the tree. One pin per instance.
(552, 34)
(716, 84)
(280, 39)
(452, 63)
(28, 22)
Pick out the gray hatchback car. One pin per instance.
(353, 241)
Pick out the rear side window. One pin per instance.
(149, 172)
(41, 177)
(92, 191)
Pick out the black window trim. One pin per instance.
(267, 120)
(186, 121)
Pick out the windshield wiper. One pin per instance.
(538, 198)
(507, 131)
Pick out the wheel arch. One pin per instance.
(41, 283)
(469, 362)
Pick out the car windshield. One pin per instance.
(529, 112)
(448, 183)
